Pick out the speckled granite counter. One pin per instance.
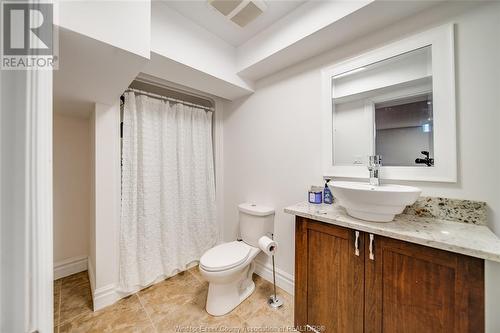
(455, 210)
(469, 239)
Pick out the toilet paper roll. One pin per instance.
(267, 245)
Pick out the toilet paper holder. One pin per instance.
(273, 301)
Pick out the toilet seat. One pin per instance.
(225, 256)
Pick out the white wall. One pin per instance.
(71, 177)
(123, 24)
(272, 138)
(300, 23)
(13, 210)
(92, 253)
(106, 204)
(175, 37)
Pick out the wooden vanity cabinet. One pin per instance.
(395, 287)
(329, 278)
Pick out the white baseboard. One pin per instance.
(70, 266)
(105, 296)
(283, 280)
(108, 295)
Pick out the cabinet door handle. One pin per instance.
(356, 243)
(372, 240)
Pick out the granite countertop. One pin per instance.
(464, 238)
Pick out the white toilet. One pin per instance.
(228, 267)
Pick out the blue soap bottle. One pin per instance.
(327, 194)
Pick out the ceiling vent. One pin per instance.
(240, 12)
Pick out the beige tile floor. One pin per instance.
(174, 305)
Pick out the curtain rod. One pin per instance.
(152, 82)
(141, 92)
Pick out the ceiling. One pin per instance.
(201, 13)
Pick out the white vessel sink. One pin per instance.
(374, 203)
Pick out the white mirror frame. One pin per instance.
(444, 118)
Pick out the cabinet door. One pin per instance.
(413, 288)
(328, 278)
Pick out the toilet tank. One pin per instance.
(255, 221)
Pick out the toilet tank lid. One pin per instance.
(254, 209)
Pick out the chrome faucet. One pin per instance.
(374, 164)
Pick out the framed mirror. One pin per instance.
(397, 101)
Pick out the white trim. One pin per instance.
(39, 201)
(218, 137)
(102, 301)
(283, 280)
(109, 294)
(2, 296)
(70, 266)
(105, 296)
(26, 220)
(441, 40)
(90, 270)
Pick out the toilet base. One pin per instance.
(222, 298)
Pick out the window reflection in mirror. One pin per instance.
(386, 109)
(404, 131)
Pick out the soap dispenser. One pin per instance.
(327, 194)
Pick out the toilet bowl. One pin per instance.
(229, 267)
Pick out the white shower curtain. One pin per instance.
(168, 189)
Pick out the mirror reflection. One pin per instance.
(404, 131)
(385, 109)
